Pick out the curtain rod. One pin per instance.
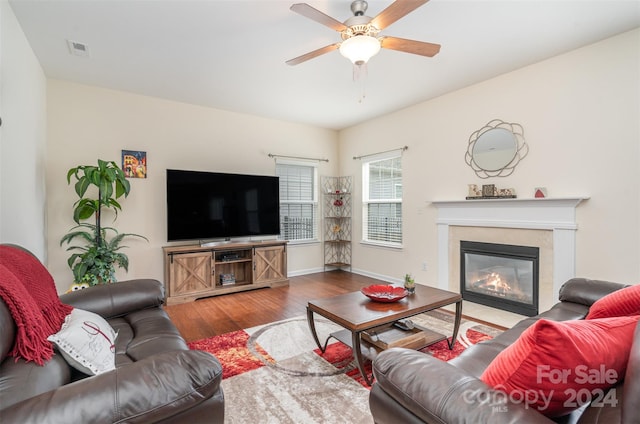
(403, 148)
(271, 155)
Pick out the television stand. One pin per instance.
(193, 271)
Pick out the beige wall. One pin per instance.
(22, 139)
(580, 116)
(87, 123)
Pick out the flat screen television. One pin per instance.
(212, 205)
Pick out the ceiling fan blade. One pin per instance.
(395, 11)
(316, 15)
(410, 46)
(311, 55)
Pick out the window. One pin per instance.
(382, 200)
(298, 200)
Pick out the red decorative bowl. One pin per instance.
(384, 293)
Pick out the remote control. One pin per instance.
(404, 324)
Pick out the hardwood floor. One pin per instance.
(222, 314)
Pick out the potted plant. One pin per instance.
(409, 283)
(94, 261)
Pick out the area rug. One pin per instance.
(275, 373)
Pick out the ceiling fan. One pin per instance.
(360, 40)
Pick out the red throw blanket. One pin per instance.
(30, 294)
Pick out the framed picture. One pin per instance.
(134, 164)
(489, 190)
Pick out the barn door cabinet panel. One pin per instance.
(270, 264)
(190, 273)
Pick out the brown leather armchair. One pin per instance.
(156, 379)
(412, 387)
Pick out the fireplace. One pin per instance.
(500, 276)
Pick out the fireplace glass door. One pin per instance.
(500, 276)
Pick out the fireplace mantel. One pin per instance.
(554, 214)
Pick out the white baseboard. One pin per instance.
(386, 278)
(304, 272)
(381, 277)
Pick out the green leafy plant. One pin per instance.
(95, 260)
(409, 283)
(408, 280)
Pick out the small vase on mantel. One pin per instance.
(409, 283)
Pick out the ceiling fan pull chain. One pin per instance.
(360, 78)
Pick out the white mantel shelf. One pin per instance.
(546, 200)
(540, 214)
(555, 214)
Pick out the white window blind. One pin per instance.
(298, 200)
(382, 199)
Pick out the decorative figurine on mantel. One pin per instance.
(474, 191)
(540, 192)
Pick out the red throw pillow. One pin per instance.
(556, 367)
(620, 303)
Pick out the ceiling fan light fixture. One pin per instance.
(360, 48)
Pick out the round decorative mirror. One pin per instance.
(495, 149)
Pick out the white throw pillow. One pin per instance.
(87, 342)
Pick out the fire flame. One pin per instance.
(495, 283)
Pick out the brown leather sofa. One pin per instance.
(157, 378)
(412, 387)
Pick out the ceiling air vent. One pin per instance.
(78, 49)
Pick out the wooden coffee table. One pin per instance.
(357, 314)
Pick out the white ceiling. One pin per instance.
(230, 54)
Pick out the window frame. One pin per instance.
(313, 202)
(366, 200)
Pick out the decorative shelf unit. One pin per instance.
(192, 272)
(336, 213)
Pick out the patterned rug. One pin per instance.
(276, 374)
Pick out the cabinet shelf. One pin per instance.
(228, 286)
(233, 261)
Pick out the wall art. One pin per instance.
(134, 163)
